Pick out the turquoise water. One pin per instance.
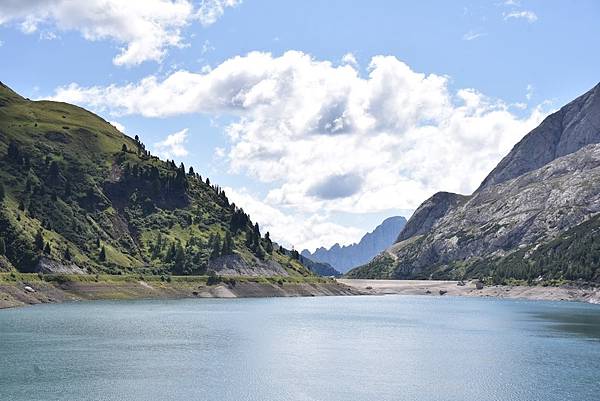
(327, 349)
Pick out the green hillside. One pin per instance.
(78, 195)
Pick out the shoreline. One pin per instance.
(571, 293)
(30, 289)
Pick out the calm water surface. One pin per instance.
(301, 349)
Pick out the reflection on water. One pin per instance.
(580, 321)
(393, 348)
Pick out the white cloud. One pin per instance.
(349, 58)
(206, 47)
(301, 230)
(48, 35)
(145, 28)
(118, 125)
(220, 152)
(530, 16)
(472, 35)
(172, 146)
(380, 142)
(211, 10)
(529, 93)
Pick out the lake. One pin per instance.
(301, 349)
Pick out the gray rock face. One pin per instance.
(234, 265)
(548, 183)
(497, 220)
(430, 211)
(50, 266)
(344, 258)
(572, 127)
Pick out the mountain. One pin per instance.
(78, 196)
(535, 216)
(344, 258)
(319, 268)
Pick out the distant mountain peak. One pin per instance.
(537, 214)
(345, 257)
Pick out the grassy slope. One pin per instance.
(91, 203)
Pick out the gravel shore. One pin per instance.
(469, 289)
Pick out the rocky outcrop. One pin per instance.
(548, 184)
(572, 127)
(428, 214)
(344, 258)
(50, 266)
(235, 265)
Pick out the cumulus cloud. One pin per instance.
(527, 15)
(118, 125)
(394, 135)
(349, 58)
(211, 10)
(336, 186)
(145, 28)
(291, 229)
(172, 146)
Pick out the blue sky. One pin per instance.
(321, 118)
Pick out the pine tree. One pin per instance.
(102, 255)
(13, 153)
(68, 189)
(227, 244)
(256, 237)
(249, 239)
(2, 192)
(2, 247)
(54, 170)
(179, 259)
(171, 253)
(124, 148)
(39, 241)
(67, 254)
(269, 245)
(216, 247)
(47, 249)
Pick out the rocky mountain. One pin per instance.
(344, 258)
(78, 196)
(522, 222)
(319, 268)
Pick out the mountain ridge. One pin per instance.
(78, 196)
(343, 258)
(496, 233)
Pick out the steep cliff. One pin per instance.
(546, 186)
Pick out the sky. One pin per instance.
(319, 118)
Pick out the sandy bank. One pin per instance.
(451, 288)
(34, 291)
